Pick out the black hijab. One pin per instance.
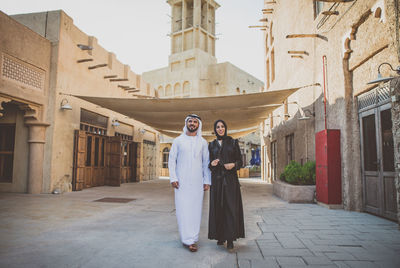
(215, 129)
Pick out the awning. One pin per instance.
(167, 115)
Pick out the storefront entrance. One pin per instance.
(101, 160)
(377, 153)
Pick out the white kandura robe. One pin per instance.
(188, 164)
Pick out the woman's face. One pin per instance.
(220, 129)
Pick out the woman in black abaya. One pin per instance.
(226, 209)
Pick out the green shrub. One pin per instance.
(255, 169)
(297, 174)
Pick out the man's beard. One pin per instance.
(193, 129)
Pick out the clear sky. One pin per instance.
(136, 30)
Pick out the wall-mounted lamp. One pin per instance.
(84, 47)
(65, 105)
(115, 123)
(302, 112)
(380, 79)
(142, 131)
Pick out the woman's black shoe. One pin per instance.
(229, 245)
(220, 243)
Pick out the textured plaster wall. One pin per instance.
(70, 77)
(14, 38)
(395, 86)
(350, 64)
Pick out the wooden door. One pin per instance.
(78, 175)
(99, 168)
(133, 161)
(115, 161)
(377, 155)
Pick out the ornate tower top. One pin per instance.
(193, 25)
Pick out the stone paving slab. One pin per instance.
(70, 230)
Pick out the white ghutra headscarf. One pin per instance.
(193, 116)
(196, 149)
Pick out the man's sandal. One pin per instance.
(192, 247)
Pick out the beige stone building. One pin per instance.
(51, 140)
(193, 70)
(338, 44)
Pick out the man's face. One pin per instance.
(192, 124)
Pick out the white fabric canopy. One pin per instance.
(166, 115)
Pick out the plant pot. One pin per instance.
(294, 193)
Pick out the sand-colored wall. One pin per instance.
(349, 66)
(23, 91)
(70, 76)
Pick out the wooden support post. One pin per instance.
(306, 35)
(84, 60)
(258, 26)
(298, 52)
(336, 1)
(119, 79)
(330, 13)
(110, 76)
(97, 66)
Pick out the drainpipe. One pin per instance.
(324, 74)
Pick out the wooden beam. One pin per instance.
(330, 13)
(123, 87)
(84, 60)
(306, 35)
(271, 2)
(298, 52)
(97, 66)
(267, 10)
(334, 1)
(133, 90)
(263, 20)
(258, 26)
(110, 76)
(119, 79)
(297, 56)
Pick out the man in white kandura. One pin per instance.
(190, 176)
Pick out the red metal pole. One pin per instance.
(324, 73)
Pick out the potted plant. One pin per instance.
(297, 183)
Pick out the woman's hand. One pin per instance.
(214, 162)
(229, 166)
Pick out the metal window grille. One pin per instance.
(375, 97)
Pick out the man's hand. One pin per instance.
(206, 187)
(175, 184)
(215, 162)
(229, 166)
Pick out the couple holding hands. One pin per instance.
(195, 167)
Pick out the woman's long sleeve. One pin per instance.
(212, 168)
(238, 156)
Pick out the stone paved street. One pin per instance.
(70, 230)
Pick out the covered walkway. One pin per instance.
(71, 230)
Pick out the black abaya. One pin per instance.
(226, 210)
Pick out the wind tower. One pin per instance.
(192, 69)
(192, 33)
